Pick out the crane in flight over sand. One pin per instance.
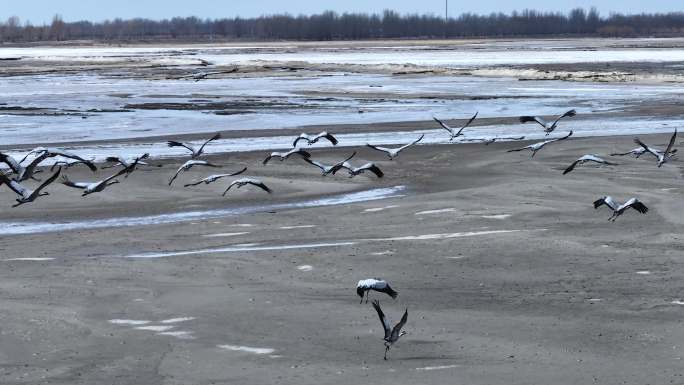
(23, 173)
(354, 171)
(549, 127)
(311, 139)
(93, 187)
(539, 145)
(394, 152)
(325, 169)
(54, 152)
(366, 285)
(27, 195)
(452, 131)
(663, 156)
(196, 152)
(620, 209)
(245, 181)
(214, 178)
(392, 334)
(190, 164)
(286, 155)
(587, 158)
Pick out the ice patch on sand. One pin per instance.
(155, 328)
(498, 216)
(452, 235)
(247, 349)
(377, 209)
(386, 252)
(180, 334)
(177, 320)
(29, 259)
(222, 235)
(428, 368)
(128, 322)
(440, 211)
(237, 249)
(644, 272)
(16, 228)
(305, 268)
(678, 302)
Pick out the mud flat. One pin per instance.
(509, 274)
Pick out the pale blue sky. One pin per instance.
(38, 11)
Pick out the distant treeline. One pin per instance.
(352, 26)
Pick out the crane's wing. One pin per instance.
(48, 181)
(468, 123)
(300, 137)
(229, 187)
(444, 125)
(315, 163)
(646, 147)
(397, 328)
(173, 143)
(608, 201)
(571, 167)
(301, 152)
(65, 154)
(373, 168)
(525, 119)
(14, 186)
(113, 159)
(383, 319)
(570, 113)
(236, 173)
(378, 148)
(671, 144)
(636, 205)
(67, 182)
(215, 137)
(268, 158)
(180, 169)
(520, 149)
(10, 161)
(412, 143)
(34, 151)
(261, 185)
(331, 138)
(622, 153)
(116, 175)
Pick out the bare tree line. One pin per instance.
(351, 26)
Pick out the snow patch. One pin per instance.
(128, 322)
(222, 235)
(177, 320)
(247, 349)
(440, 211)
(180, 334)
(155, 328)
(427, 368)
(453, 235)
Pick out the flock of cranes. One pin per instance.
(21, 171)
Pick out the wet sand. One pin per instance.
(509, 275)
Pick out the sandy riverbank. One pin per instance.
(509, 274)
